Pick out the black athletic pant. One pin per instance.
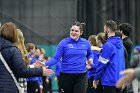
(73, 83)
(90, 88)
(32, 87)
(44, 84)
(111, 89)
(58, 79)
(47, 86)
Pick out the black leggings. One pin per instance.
(111, 89)
(73, 83)
(32, 87)
(90, 88)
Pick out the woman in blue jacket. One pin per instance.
(74, 52)
(92, 68)
(13, 57)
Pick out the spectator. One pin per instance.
(13, 57)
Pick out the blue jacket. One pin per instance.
(32, 62)
(14, 59)
(111, 62)
(58, 68)
(92, 71)
(74, 55)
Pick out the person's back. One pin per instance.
(128, 44)
(115, 49)
(111, 60)
(5, 78)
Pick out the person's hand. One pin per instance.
(95, 83)
(47, 72)
(90, 61)
(88, 66)
(39, 64)
(41, 87)
(55, 79)
(129, 76)
(47, 80)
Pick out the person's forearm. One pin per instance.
(51, 62)
(96, 48)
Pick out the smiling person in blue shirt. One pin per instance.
(111, 60)
(74, 51)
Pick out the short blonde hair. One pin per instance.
(30, 46)
(43, 51)
(101, 37)
(92, 40)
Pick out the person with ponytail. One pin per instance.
(21, 46)
(74, 51)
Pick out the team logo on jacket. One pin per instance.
(83, 45)
(71, 46)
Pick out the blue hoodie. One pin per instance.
(111, 62)
(74, 55)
